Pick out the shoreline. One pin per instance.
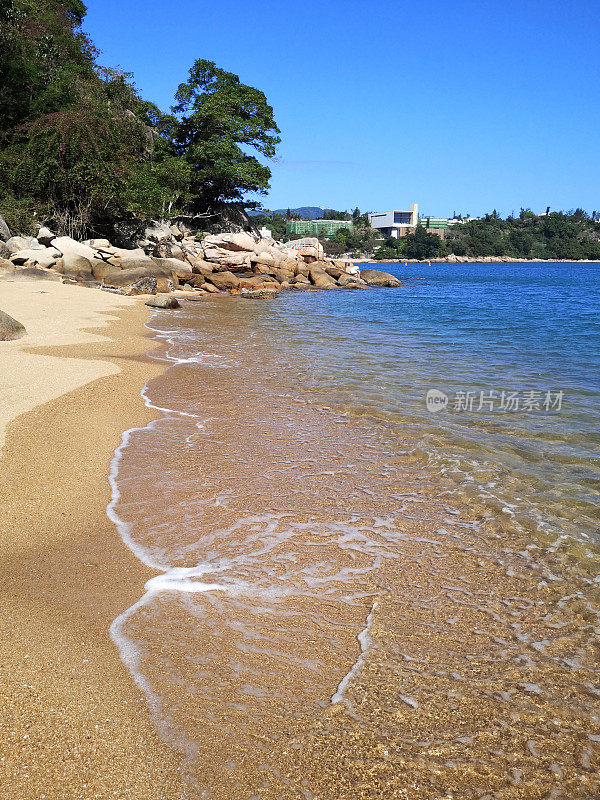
(73, 722)
(476, 260)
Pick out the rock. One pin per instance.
(126, 277)
(4, 250)
(225, 258)
(45, 257)
(100, 244)
(258, 294)
(373, 277)
(196, 281)
(146, 285)
(231, 241)
(75, 266)
(158, 232)
(258, 282)
(163, 301)
(201, 267)
(69, 247)
(320, 279)
(9, 328)
(350, 281)
(224, 281)
(6, 266)
(4, 229)
(169, 249)
(129, 257)
(208, 287)
(32, 274)
(16, 243)
(300, 280)
(45, 236)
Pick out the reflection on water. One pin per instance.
(353, 601)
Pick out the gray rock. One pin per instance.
(163, 301)
(4, 229)
(4, 250)
(9, 328)
(373, 277)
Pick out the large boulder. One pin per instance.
(16, 243)
(74, 265)
(242, 242)
(226, 258)
(9, 328)
(45, 257)
(121, 278)
(4, 230)
(69, 247)
(373, 277)
(224, 281)
(319, 278)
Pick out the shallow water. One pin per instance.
(357, 597)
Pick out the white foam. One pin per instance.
(365, 641)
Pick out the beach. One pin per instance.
(73, 724)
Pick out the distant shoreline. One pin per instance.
(476, 260)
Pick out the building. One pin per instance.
(437, 225)
(316, 227)
(395, 223)
(265, 233)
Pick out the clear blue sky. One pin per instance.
(459, 106)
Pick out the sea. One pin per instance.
(374, 521)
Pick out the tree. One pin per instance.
(220, 119)
(422, 244)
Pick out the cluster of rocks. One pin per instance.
(170, 258)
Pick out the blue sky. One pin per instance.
(459, 106)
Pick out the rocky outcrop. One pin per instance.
(171, 257)
(9, 328)
(373, 277)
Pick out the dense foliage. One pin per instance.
(81, 149)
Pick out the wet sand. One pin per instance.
(72, 723)
(360, 636)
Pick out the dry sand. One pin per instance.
(72, 723)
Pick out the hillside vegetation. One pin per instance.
(81, 149)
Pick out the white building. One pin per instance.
(395, 223)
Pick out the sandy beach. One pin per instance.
(72, 722)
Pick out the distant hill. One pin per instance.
(307, 212)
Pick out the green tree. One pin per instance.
(220, 120)
(422, 244)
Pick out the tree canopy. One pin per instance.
(82, 149)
